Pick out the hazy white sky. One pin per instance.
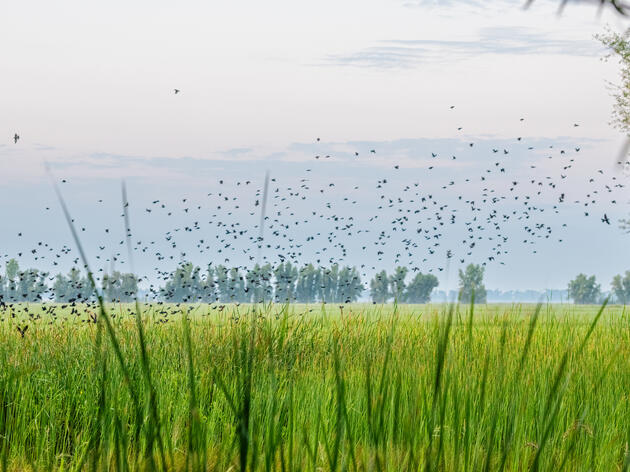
(86, 82)
(87, 77)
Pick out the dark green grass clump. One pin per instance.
(312, 388)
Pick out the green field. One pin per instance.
(292, 387)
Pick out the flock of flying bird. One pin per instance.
(415, 217)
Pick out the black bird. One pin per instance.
(605, 219)
(176, 91)
(16, 138)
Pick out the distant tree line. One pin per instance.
(308, 284)
(384, 287)
(262, 283)
(586, 290)
(31, 285)
(282, 283)
(22, 286)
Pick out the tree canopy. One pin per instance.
(418, 290)
(621, 287)
(471, 285)
(584, 290)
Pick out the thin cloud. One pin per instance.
(406, 53)
(237, 152)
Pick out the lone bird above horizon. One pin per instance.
(16, 138)
(176, 91)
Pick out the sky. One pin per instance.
(89, 89)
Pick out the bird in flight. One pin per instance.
(605, 219)
(176, 91)
(16, 138)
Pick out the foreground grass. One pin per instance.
(316, 388)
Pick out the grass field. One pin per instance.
(315, 388)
